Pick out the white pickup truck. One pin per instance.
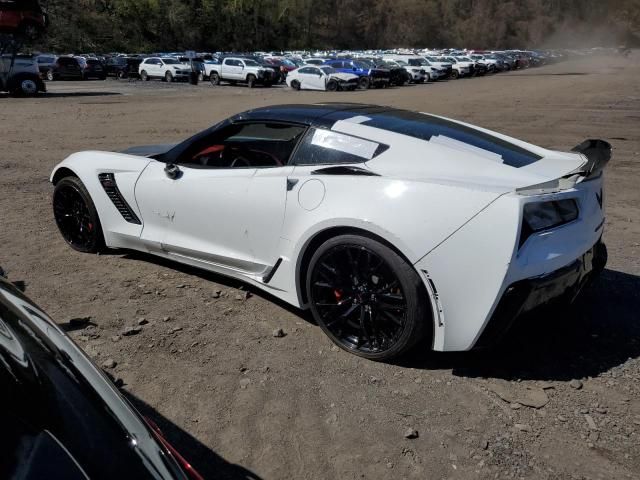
(238, 69)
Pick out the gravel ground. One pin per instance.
(197, 352)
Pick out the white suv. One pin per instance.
(166, 68)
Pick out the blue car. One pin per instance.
(376, 77)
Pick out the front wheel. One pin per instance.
(76, 216)
(454, 74)
(363, 83)
(251, 81)
(332, 86)
(168, 77)
(367, 298)
(50, 76)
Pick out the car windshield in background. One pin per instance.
(251, 63)
(328, 70)
(171, 61)
(425, 127)
(418, 62)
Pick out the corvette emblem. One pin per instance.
(599, 198)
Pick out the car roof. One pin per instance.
(319, 115)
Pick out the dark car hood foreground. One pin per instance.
(149, 150)
(59, 412)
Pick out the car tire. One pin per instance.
(332, 86)
(363, 83)
(144, 76)
(50, 76)
(251, 81)
(76, 216)
(295, 84)
(24, 86)
(200, 77)
(427, 78)
(367, 298)
(168, 77)
(214, 78)
(120, 75)
(454, 74)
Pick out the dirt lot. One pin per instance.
(243, 404)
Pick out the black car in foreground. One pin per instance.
(60, 415)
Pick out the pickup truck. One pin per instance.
(239, 69)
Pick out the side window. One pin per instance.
(244, 145)
(315, 71)
(325, 147)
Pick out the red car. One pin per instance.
(24, 17)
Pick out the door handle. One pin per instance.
(172, 171)
(291, 182)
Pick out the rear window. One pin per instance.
(425, 127)
(66, 61)
(326, 147)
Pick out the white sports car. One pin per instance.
(395, 228)
(321, 77)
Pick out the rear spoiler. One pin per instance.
(598, 153)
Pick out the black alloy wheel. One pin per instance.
(76, 216)
(367, 298)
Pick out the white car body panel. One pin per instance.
(453, 210)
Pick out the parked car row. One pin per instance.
(331, 71)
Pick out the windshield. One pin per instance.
(419, 62)
(171, 61)
(328, 70)
(251, 63)
(465, 59)
(401, 62)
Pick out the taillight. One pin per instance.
(191, 472)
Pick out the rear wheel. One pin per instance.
(214, 78)
(50, 75)
(367, 298)
(144, 76)
(76, 216)
(25, 87)
(295, 84)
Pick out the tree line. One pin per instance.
(245, 25)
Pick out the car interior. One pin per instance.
(249, 145)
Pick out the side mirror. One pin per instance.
(172, 171)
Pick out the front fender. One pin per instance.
(126, 170)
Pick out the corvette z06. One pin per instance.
(395, 228)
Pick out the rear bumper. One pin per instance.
(559, 287)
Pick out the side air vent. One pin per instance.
(110, 186)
